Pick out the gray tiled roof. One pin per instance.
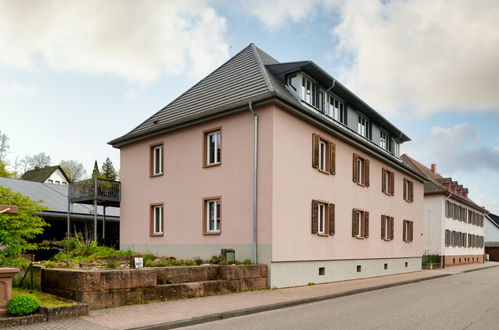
(214, 93)
(53, 197)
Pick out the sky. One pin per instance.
(77, 74)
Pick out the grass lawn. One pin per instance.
(46, 299)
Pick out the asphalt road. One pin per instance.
(463, 301)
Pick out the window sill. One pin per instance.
(387, 239)
(157, 235)
(408, 201)
(360, 237)
(323, 171)
(323, 235)
(156, 175)
(214, 233)
(212, 165)
(388, 194)
(361, 185)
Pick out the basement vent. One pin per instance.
(386, 266)
(322, 271)
(359, 269)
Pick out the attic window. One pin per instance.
(155, 121)
(310, 92)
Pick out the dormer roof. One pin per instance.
(40, 174)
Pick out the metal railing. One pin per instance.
(94, 189)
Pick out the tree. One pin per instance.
(95, 172)
(74, 169)
(108, 171)
(39, 160)
(4, 147)
(16, 230)
(4, 173)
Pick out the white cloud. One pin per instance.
(459, 149)
(14, 90)
(137, 40)
(427, 55)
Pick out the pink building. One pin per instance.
(280, 162)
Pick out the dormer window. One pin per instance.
(310, 92)
(364, 127)
(384, 140)
(336, 109)
(293, 82)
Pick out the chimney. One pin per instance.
(37, 167)
(434, 168)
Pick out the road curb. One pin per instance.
(476, 269)
(265, 308)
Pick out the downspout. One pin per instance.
(255, 173)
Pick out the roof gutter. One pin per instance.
(75, 216)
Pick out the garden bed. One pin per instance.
(109, 288)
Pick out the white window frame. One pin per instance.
(396, 149)
(157, 160)
(363, 126)
(383, 139)
(215, 205)
(216, 135)
(158, 220)
(387, 223)
(360, 170)
(321, 218)
(322, 155)
(359, 216)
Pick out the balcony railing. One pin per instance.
(88, 191)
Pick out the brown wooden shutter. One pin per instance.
(315, 150)
(404, 231)
(366, 172)
(354, 222)
(447, 209)
(315, 212)
(331, 219)
(332, 158)
(392, 221)
(411, 231)
(411, 191)
(355, 168)
(366, 224)
(405, 189)
(383, 227)
(392, 183)
(383, 180)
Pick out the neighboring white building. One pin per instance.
(453, 223)
(47, 174)
(492, 236)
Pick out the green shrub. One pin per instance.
(223, 262)
(199, 261)
(113, 265)
(189, 262)
(247, 261)
(148, 256)
(23, 304)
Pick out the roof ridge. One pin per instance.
(262, 68)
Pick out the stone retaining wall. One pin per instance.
(108, 288)
(46, 314)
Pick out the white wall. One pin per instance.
(491, 231)
(56, 176)
(433, 233)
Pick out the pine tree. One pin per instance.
(108, 171)
(95, 172)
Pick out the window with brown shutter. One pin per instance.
(323, 154)
(360, 223)
(447, 209)
(360, 170)
(408, 229)
(408, 191)
(323, 218)
(447, 238)
(386, 227)
(387, 182)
